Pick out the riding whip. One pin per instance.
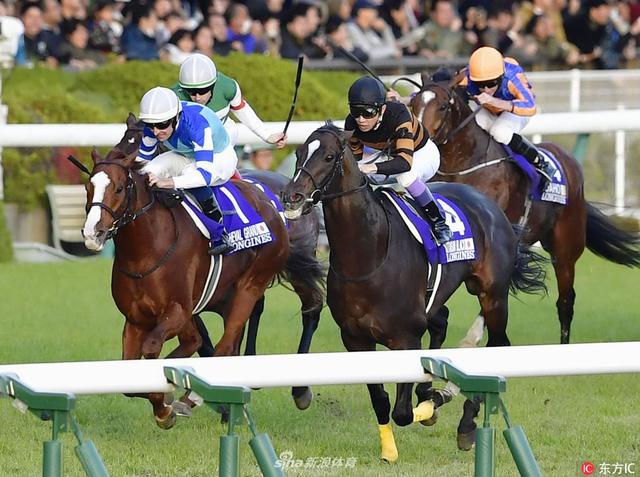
(352, 57)
(79, 164)
(295, 93)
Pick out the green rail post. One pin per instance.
(488, 388)
(58, 408)
(237, 399)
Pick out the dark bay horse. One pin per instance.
(377, 284)
(161, 262)
(471, 156)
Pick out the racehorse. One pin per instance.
(161, 262)
(471, 156)
(377, 287)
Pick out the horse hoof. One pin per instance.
(166, 422)
(432, 420)
(181, 409)
(466, 441)
(303, 401)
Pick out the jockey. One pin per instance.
(414, 158)
(200, 82)
(200, 154)
(500, 87)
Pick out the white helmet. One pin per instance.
(197, 71)
(158, 105)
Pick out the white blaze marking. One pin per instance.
(311, 148)
(426, 96)
(100, 182)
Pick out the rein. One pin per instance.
(127, 216)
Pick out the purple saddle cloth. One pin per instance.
(555, 191)
(460, 247)
(244, 225)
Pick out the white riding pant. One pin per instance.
(424, 165)
(184, 170)
(501, 127)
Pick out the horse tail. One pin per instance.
(530, 269)
(609, 241)
(304, 269)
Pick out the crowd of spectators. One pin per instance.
(540, 34)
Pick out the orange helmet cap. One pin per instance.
(485, 64)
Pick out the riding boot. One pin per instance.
(439, 227)
(212, 210)
(544, 166)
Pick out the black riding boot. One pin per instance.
(522, 146)
(211, 210)
(439, 227)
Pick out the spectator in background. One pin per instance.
(443, 35)
(75, 54)
(239, 29)
(104, 31)
(338, 40)
(397, 15)
(371, 33)
(139, 36)
(218, 26)
(587, 31)
(38, 44)
(339, 8)
(297, 35)
(203, 40)
(179, 47)
(500, 31)
(73, 10)
(168, 25)
(12, 50)
(51, 17)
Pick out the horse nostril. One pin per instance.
(295, 197)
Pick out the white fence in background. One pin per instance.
(621, 121)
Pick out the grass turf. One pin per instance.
(64, 312)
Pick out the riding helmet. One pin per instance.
(367, 91)
(197, 71)
(486, 64)
(158, 105)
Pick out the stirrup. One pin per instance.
(221, 247)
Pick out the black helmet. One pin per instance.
(367, 91)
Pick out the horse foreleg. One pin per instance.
(437, 327)
(252, 329)
(379, 401)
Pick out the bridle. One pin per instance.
(450, 102)
(320, 190)
(126, 214)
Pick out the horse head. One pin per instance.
(439, 106)
(319, 160)
(111, 188)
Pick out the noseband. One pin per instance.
(320, 190)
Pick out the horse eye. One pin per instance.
(329, 158)
(443, 107)
(119, 190)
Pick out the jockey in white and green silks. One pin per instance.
(200, 82)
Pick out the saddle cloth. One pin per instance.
(244, 225)
(555, 191)
(460, 247)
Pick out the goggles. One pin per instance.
(198, 91)
(367, 112)
(487, 84)
(161, 126)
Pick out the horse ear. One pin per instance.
(131, 120)
(347, 135)
(457, 78)
(95, 155)
(425, 78)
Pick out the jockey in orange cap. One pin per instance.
(500, 87)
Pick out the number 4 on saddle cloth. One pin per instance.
(555, 191)
(460, 247)
(245, 227)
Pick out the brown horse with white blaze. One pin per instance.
(161, 262)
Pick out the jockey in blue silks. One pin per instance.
(200, 154)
